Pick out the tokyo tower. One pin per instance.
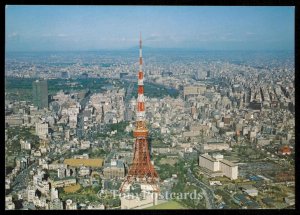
(142, 170)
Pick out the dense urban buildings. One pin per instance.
(204, 135)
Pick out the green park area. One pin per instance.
(167, 205)
(21, 88)
(78, 193)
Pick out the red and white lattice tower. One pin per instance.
(142, 170)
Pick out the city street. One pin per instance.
(21, 179)
(208, 193)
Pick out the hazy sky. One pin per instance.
(44, 28)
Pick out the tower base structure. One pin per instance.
(145, 186)
(141, 201)
(142, 170)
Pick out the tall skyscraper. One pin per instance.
(142, 170)
(40, 93)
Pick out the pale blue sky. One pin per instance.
(63, 28)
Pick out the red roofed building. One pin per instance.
(285, 150)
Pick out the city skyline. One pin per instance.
(83, 28)
(93, 123)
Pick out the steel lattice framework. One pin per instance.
(141, 170)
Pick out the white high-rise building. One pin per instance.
(30, 193)
(54, 194)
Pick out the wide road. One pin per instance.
(21, 178)
(208, 193)
(129, 92)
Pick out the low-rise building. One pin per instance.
(30, 193)
(9, 205)
(84, 171)
(214, 147)
(40, 202)
(43, 187)
(114, 169)
(250, 190)
(70, 205)
(61, 172)
(25, 145)
(56, 204)
(290, 200)
(285, 150)
(41, 129)
(68, 181)
(95, 206)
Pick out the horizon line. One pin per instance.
(153, 48)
